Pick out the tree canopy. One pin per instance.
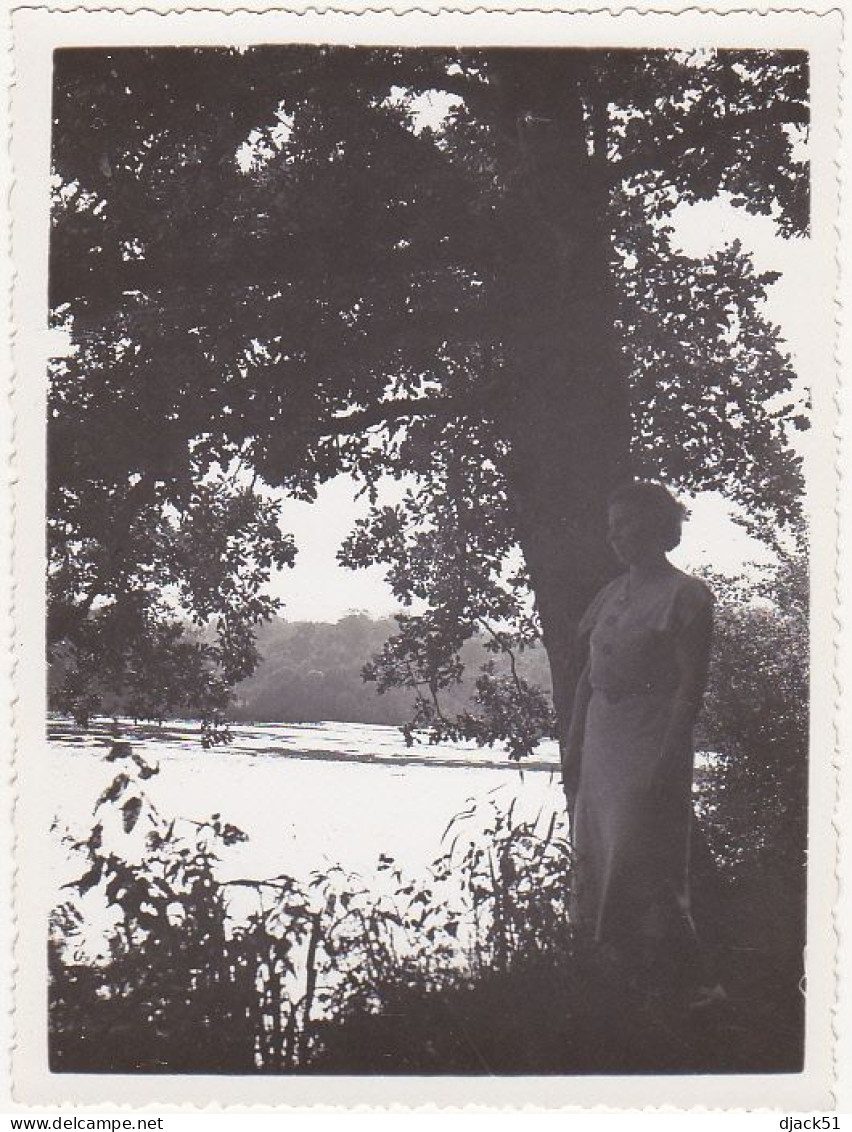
(276, 266)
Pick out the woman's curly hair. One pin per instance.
(657, 506)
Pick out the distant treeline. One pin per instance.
(311, 671)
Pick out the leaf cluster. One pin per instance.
(266, 260)
(204, 974)
(756, 722)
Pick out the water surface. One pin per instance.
(307, 796)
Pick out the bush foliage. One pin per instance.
(755, 720)
(471, 968)
(187, 979)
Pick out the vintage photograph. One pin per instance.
(429, 510)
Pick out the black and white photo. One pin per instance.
(428, 437)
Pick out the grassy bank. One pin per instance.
(471, 968)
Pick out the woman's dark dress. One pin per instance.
(631, 845)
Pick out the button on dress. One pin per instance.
(631, 846)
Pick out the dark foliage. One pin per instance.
(564, 1019)
(186, 983)
(393, 974)
(273, 271)
(343, 977)
(756, 718)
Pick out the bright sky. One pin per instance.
(319, 589)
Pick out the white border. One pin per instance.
(37, 30)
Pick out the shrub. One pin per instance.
(471, 968)
(755, 720)
(187, 982)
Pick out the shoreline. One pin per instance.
(63, 734)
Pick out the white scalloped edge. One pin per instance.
(12, 633)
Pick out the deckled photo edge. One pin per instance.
(35, 38)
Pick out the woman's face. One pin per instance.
(631, 536)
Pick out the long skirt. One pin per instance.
(631, 842)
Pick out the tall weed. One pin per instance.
(199, 974)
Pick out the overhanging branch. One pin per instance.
(699, 136)
(391, 412)
(483, 401)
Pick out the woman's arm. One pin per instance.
(692, 657)
(573, 751)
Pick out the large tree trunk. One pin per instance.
(568, 418)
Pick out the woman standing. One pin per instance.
(629, 761)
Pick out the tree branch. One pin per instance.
(499, 639)
(674, 148)
(405, 408)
